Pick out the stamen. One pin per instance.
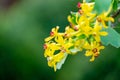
(45, 46)
(51, 33)
(81, 12)
(99, 19)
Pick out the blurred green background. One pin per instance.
(23, 26)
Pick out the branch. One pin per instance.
(116, 13)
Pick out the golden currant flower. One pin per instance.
(97, 32)
(54, 33)
(69, 32)
(93, 49)
(53, 60)
(50, 49)
(64, 43)
(87, 8)
(102, 18)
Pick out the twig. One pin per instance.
(116, 13)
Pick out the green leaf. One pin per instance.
(81, 36)
(112, 38)
(115, 5)
(102, 5)
(88, 0)
(73, 15)
(73, 19)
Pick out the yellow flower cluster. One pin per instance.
(84, 32)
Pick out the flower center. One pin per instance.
(63, 49)
(94, 50)
(99, 19)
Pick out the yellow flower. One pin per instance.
(82, 21)
(86, 30)
(93, 50)
(64, 43)
(55, 51)
(70, 20)
(68, 32)
(54, 33)
(87, 8)
(53, 60)
(97, 32)
(102, 18)
(78, 44)
(50, 49)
